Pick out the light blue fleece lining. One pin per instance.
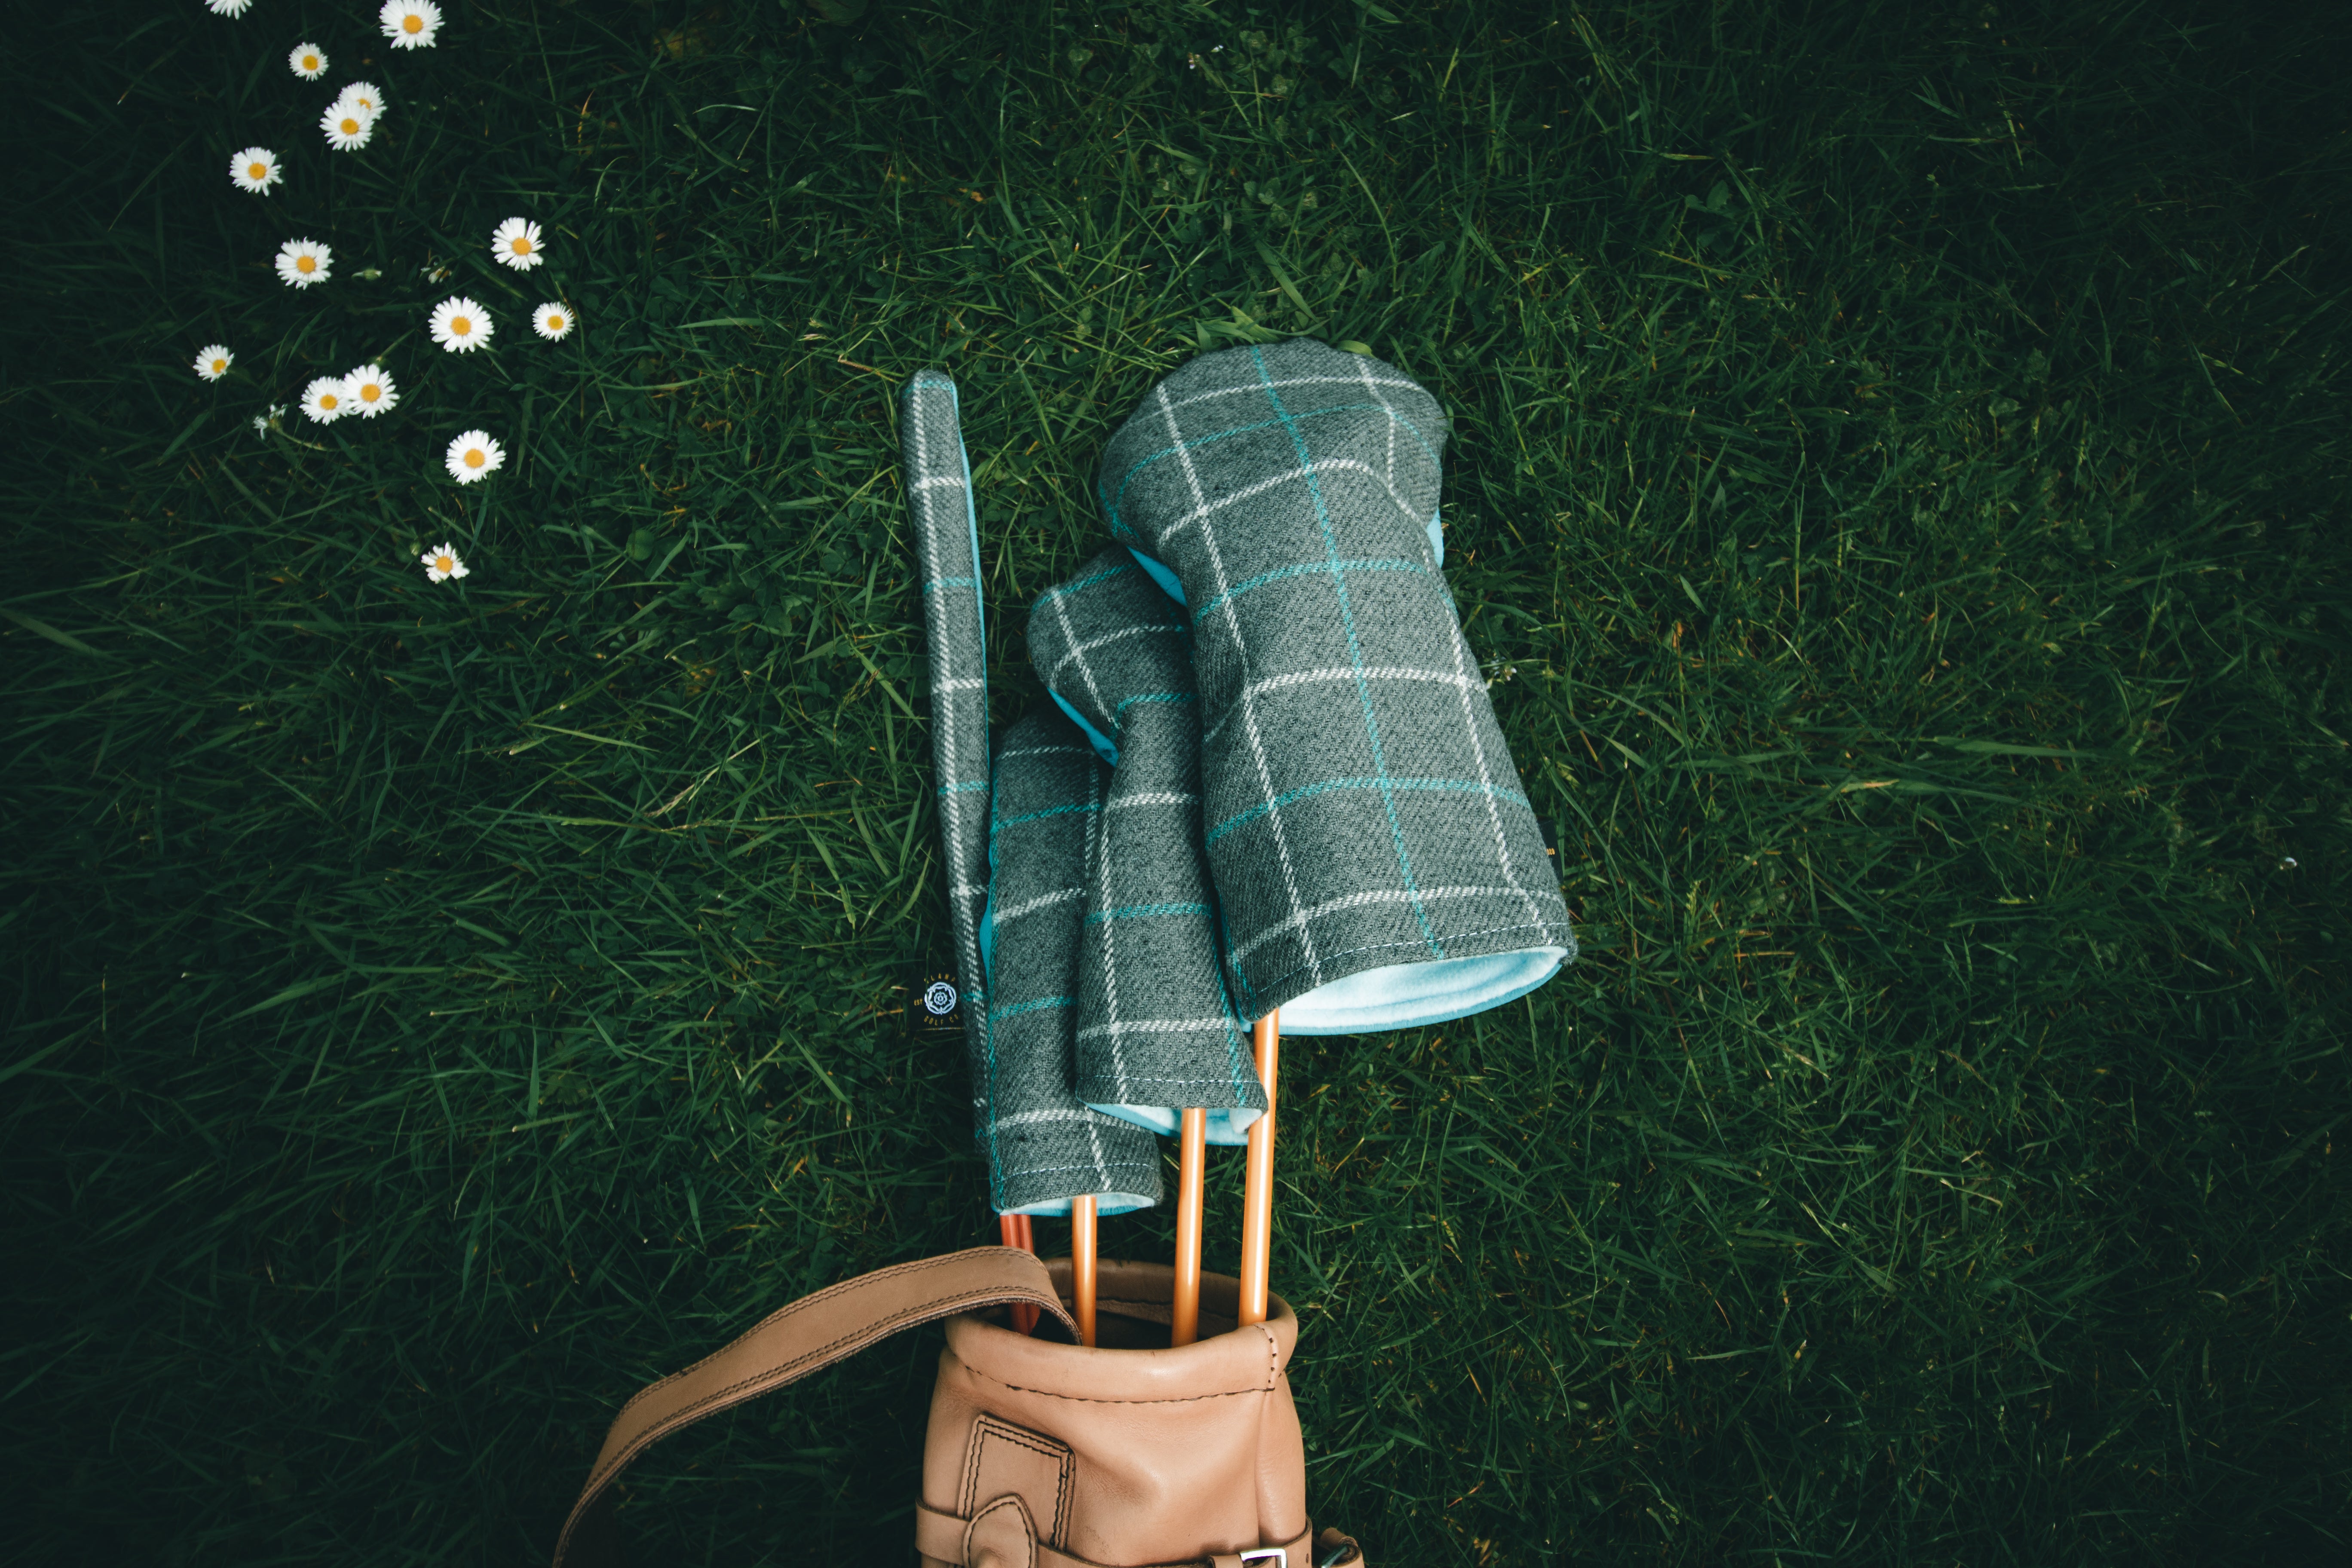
(1230, 1128)
(1413, 996)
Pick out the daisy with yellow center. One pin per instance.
(213, 361)
(553, 322)
(441, 564)
(474, 455)
(516, 243)
(459, 325)
(302, 262)
(308, 61)
(410, 24)
(324, 400)
(365, 96)
(256, 169)
(347, 125)
(368, 392)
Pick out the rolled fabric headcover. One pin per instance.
(937, 484)
(1376, 860)
(1043, 1144)
(1156, 1033)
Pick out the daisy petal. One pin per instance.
(516, 244)
(368, 391)
(256, 169)
(213, 361)
(347, 125)
(325, 400)
(302, 262)
(473, 456)
(459, 325)
(410, 24)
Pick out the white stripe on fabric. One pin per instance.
(1321, 676)
(1077, 1113)
(1320, 465)
(1160, 798)
(1098, 860)
(1078, 651)
(1007, 916)
(1371, 896)
(1249, 719)
(1156, 1025)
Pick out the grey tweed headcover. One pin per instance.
(1033, 1172)
(1156, 1033)
(1361, 811)
(1043, 1145)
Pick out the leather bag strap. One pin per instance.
(808, 1336)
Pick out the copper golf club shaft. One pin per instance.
(1017, 1231)
(1192, 1161)
(1082, 1266)
(1257, 1182)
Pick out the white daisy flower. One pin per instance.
(347, 125)
(228, 7)
(409, 24)
(516, 243)
(441, 564)
(308, 61)
(368, 391)
(256, 169)
(325, 399)
(365, 96)
(474, 455)
(553, 322)
(213, 361)
(459, 325)
(302, 262)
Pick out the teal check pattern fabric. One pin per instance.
(1272, 777)
(1043, 1145)
(1155, 1031)
(1364, 825)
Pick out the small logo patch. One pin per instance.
(934, 1002)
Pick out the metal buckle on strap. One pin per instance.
(1267, 1554)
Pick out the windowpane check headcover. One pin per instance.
(1360, 808)
(1156, 1033)
(1043, 1146)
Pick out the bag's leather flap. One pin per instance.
(809, 1335)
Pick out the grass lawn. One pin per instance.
(1898, 488)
